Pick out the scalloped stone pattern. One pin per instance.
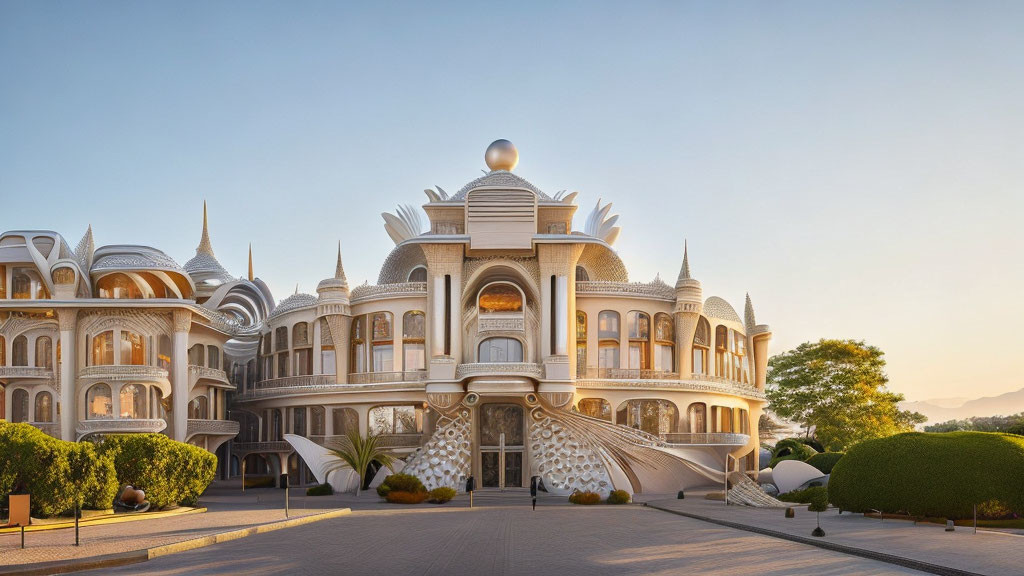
(565, 463)
(444, 460)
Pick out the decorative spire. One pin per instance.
(684, 272)
(748, 314)
(339, 271)
(251, 276)
(204, 243)
(85, 249)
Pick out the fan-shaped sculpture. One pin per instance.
(406, 225)
(600, 225)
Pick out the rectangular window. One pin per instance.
(699, 360)
(664, 358)
(303, 362)
(282, 365)
(133, 351)
(383, 358)
(608, 357)
(415, 356)
(329, 361)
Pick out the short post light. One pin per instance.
(534, 481)
(470, 487)
(243, 475)
(819, 504)
(286, 483)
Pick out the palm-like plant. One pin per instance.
(360, 451)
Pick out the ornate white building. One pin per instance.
(498, 342)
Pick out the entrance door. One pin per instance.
(501, 445)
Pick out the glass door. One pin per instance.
(501, 445)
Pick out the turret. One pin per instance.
(334, 306)
(758, 336)
(689, 303)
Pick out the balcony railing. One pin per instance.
(707, 439)
(119, 425)
(26, 372)
(626, 374)
(526, 369)
(211, 427)
(387, 377)
(197, 373)
(294, 381)
(274, 446)
(123, 373)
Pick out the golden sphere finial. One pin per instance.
(501, 155)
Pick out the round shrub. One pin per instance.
(320, 490)
(400, 483)
(53, 472)
(442, 494)
(585, 498)
(619, 497)
(170, 472)
(791, 449)
(403, 497)
(825, 461)
(928, 474)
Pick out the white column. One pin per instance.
(68, 387)
(318, 362)
(456, 320)
(561, 315)
(437, 317)
(179, 385)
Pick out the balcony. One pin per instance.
(384, 440)
(706, 439)
(247, 447)
(197, 427)
(626, 374)
(50, 428)
(125, 373)
(309, 380)
(387, 377)
(482, 369)
(119, 426)
(25, 373)
(210, 376)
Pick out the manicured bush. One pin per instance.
(53, 471)
(791, 449)
(170, 472)
(806, 496)
(403, 497)
(825, 461)
(442, 494)
(585, 498)
(400, 483)
(320, 490)
(619, 497)
(932, 475)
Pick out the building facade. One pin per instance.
(497, 343)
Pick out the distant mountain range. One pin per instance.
(943, 409)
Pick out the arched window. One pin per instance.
(608, 335)
(418, 274)
(27, 284)
(199, 408)
(316, 420)
(133, 349)
(396, 420)
(300, 335)
(413, 331)
(281, 339)
(197, 355)
(103, 349)
(639, 340)
(701, 343)
(596, 408)
(357, 359)
(344, 421)
(19, 405)
(44, 407)
(213, 357)
(500, 298)
(303, 352)
(383, 342)
(652, 416)
(581, 343)
(500, 349)
(118, 286)
(721, 351)
(98, 403)
(581, 274)
(276, 426)
(44, 352)
(299, 420)
(664, 343)
(697, 414)
(3, 351)
(133, 401)
(19, 351)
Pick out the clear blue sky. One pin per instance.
(857, 167)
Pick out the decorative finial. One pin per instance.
(748, 315)
(501, 155)
(339, 271)
(296, 288)
(251, 277)
(684, 272)
(204, 243)
(85, 249)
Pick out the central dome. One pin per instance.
(501, 155)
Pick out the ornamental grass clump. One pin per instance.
(619, 497)
(402, 489)
(585, 498)
(442, 494)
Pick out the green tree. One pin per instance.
(838, 388)
(360, 451)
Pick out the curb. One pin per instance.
(834, 547)
(105, 519)
(136, 556)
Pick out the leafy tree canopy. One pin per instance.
(981, 424)
(838, 388)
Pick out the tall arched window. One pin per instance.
(357, 359)
(596, 408)
(133, 349)
(44, 407)
(19, 351)
(697, 414)
(133, 401)
(19, 405)
(281, 339)
(44, 352)
(344, 421)
(652, 416)
(581, 343)
(383, 342)
(664, 343)
(197, 355)
(701, 344)
(721, 351)
(639, 340)
(418, 274)
(118, 286)
(276, 426)
(303, 349)
(608, 336)
(103, 349)
(316, 420)
(98, 403)
(581, 274)
(500, 349)
(413, 331)
(199, 408)
(299, 420)
(300, 334)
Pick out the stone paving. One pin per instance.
(502, 535)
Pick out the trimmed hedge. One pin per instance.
(53, 471)
(825, 461)
(791, 449)
(170, 472)
(320, 490)
(442, 494)
(928, 474)
(400, 483)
